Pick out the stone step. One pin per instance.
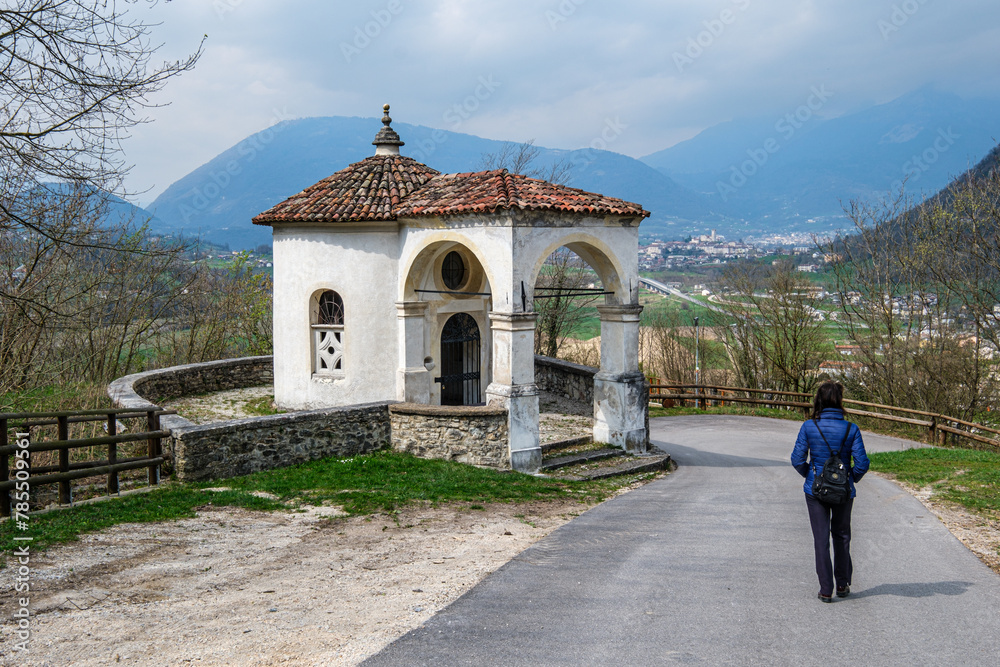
(549, 447)
(646, 463)
(582, 457)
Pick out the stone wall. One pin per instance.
(145, 390)
(238, 447)
(565, 378)
(476, 435)
(193, 379)
(228, 449)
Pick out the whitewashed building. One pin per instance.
(393, 281)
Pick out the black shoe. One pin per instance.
(825, 598)
(843, 591)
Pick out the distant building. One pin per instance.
(841, 368)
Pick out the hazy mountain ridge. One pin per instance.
(924, 139)
(218, 199)
(747, 176)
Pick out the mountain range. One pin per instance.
(749, 176)
(785, 171)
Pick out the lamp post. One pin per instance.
(697, 367)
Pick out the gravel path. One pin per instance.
(252, 588)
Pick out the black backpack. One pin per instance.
(830, 485)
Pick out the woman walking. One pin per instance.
(825, 433)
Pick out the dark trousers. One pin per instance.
(835, 520)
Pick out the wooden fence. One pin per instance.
(939, 427)
(65, 472)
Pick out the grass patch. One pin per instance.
(262, 406)
(968, 477)
(379, 482)
(170, 502)
(385, 481)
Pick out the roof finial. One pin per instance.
(387, 142)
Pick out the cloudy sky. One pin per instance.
(557, 71)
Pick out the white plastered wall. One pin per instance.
(360, 264)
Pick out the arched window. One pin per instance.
(331, 308)
(328, 334)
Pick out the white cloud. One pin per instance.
(561, 78)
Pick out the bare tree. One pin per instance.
(74, 78)
(521, 158)
(224, 313)
(901, 282)
(666, 350)
(560, 306)
(80, 293)
(771, 324)
(960, 232)
(79, 301)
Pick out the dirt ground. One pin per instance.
(252, 588)
(310, 588)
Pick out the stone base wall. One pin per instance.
(565, 378)
(242, 446)
(145, 390)
(192, 379)
(229, 449)
(476, 435)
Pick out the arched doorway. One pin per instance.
(460, 361)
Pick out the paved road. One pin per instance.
(676, 292)
(713, 566)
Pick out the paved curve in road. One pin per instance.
(713, 565)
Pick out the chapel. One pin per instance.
(395, 282)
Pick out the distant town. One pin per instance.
(715, 248)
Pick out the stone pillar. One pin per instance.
(413, 380)
(513, 386)
(621, 400)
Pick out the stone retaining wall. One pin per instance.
(228, 449)
(564, 378)
(238, 447)
(476, 435)
(469, 434)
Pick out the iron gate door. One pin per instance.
(460, 370)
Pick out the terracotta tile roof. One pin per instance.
(490, 191)
(386, 187)
(365, 191)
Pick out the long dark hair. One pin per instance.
(829, 395)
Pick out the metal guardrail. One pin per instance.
(26, 477)
(938, 426)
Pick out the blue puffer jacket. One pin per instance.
(833, 425)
